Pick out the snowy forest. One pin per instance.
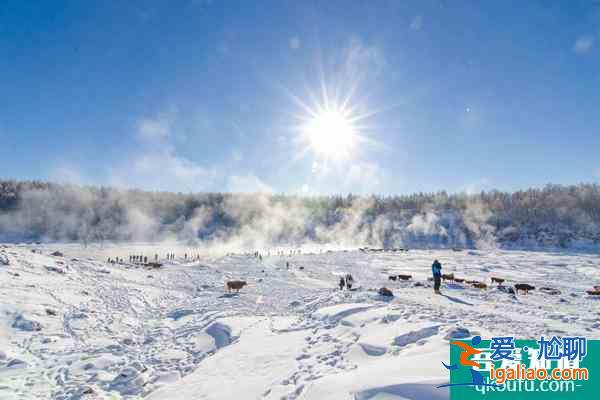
(555, 216)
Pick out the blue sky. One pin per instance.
(213, 95)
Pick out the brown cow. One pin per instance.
(448, 277)
(404, 277)
(479, 285)
(524, 287)
(499, 280)
(459, 280)
(237, 285)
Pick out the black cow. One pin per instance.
(524, 287)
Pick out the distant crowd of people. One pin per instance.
(171, 256)
(142, 259)
(260, 255)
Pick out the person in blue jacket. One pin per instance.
(436, 269)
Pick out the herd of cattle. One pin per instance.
(524, 287)
(347, 280)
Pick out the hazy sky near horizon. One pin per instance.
(301, 96)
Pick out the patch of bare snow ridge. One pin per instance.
(75, 327)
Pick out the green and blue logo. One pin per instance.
(502, 368)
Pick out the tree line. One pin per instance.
(551, 216)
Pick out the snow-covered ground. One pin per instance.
(74, 326)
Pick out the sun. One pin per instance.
(332, 126)
(331, 134)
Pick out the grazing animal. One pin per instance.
(471, 282)
(447, 277)
(524, 287)
(404, 277)
(385, 292)
(459, 280)
(235, 285)
(480, 285)
(500, 281)
(594, 292)
(392, 277)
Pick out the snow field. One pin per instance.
(75, 327)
